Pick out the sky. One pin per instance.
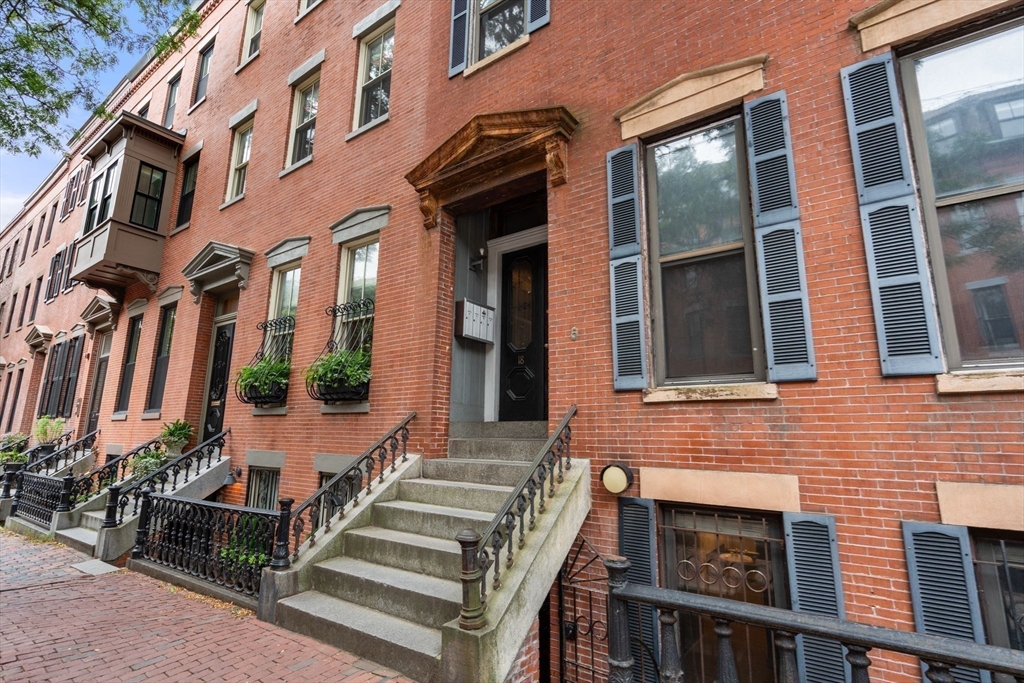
(21, 175)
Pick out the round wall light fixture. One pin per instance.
(617, 477)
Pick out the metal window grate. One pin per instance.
(262, 489)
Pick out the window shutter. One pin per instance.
(943, 589)
(459, 38)
(629, 339)
(57, 380)
(44, 397)
(815, 587)
(901, 293)
(785, 310)
(72, 378)
(539, 14)
(636, 543)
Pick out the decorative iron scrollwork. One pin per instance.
(264, 381)
(341, 371)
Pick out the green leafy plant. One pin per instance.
(48, 429)
(261, 377)
(246, 548)
(340, 368)
(13, 458)
(13, 442)
(177, 433)
(147, 463)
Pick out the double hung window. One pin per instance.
(999, 567)
(61, 378)
(307, 97)
(481, 28)
(107, 200)
(375, 76)
(35, 300)
(149, 192)
(501, 23)
(24, 304)
(253, 30)
(190, 174)
(163, 357)
(131, 351)
(172, 101)
(10, 314)
(359, 270)
(966, 106)
(240, 161)
(262, 488)
(203, 75)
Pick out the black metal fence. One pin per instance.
(90, 485)
(939, 655)
(38, 496)
(264, 381)
(66, 453)
(342, 370)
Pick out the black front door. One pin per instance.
(101, 379)
(523, 365)
(219, 369)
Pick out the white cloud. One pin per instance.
(10, 205)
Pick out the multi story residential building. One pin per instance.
(764, 260)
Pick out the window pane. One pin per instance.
(999, 564)
(706, 318)
(364, 273)
(167, 331)
(972, 99)
(380, 55)
(500, 26)
(244, 143)
(376, 100)
(310, 96)
(288, 292)
(698, 197)
(983, 248)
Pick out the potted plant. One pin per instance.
(341, 375)
(175, 435)
(148, 462)
(265, 381)
(16, 442)
(47, 430)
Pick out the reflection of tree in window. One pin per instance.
(288, 292)
(364, 273)
(377, 77)
(501, 23)
(994, 316)
(999, 565)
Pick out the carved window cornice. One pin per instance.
(218, 266)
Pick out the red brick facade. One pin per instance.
(864, 448)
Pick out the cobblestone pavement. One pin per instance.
(58, 624)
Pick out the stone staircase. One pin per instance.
(394, 586)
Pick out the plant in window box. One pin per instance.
(47, 430)
(175, 435)
(265, 381)
(341, 375)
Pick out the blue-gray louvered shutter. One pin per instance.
(815, 587)
(943, 588)
(785, 310)
(908, 336)
(637, 544)
(539, 14)
(629, 338)
(459, 46)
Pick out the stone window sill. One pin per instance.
(304, 13)
(980, 382)
(248, 61)
(231, 201)
(150, 415)
(500, 54)
(275, 410)
(194, 106)
(747, 391)
(372, 124)
(347, 407)
(119, 417)
(184, 226)
(296, 166)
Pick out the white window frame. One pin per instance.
(236, 165)
(255, 9)
(275, 287)
(364, 46)
(345, 269)
(475, 15)
(313, 79)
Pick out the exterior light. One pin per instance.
(617, 477)
(232, 477)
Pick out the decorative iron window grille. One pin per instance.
(262, 490)
(264, 381)
(999, 564)
(342, 370)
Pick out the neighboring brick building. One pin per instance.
(830, 336)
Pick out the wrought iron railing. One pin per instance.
(264, 381)
(90, 485)
(346, 486)
(8, 443)
(163, 480)
(40, 451)
(482, 555)
(938, 654)
(342, 370)
(62, 457)
(38, 496)
(227, 545)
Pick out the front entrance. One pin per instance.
(217, 382)
(99, 381)
(523, 357)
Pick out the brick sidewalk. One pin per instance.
(57, 624)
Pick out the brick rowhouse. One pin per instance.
(866, 448)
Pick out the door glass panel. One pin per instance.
(520, 313)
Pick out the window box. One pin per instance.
(264, 381)
(342, 371)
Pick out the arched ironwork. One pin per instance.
(342, 370)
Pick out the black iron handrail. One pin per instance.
(59, 443)
(18, 446)
(38, 496)
(164, 479)
(62, 457)
(938, 653)
(228, 545)
(345, 486)
(273, 356)
(350, 344)
(90, 485)
(528, 496)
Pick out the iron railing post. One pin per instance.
(65, 494)
(471, 616)
(143, 531)
(620, 659)
(113, 498)
(281, 559)
(671, 668)
(857, 656)
(785, 644)
(726, 656)
(8, 480)
(19, 483)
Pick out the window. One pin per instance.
(3, 267)
(124, 391)
(203, 77)
(61, 378)
(968, 130)
(39, 232)
(481, 28)
(35, 301)
(306, 5)
(149, 191)
(14, 257)
(56, 275)
(253, 30)
(3, 307)
(285, 298)
(375, 76)
(144, 111)
(24, 305)
(704, 284)
(501, 23)
(83, 183)
(240, 162)
(7, 386)
(307, 96)
(94, 205)
(49, 225)
(999, 566)
(10, 315)
(69, 260)
(262, 488)
(28, 238)
(163, 357)
(188, 190)
(172, 100)
(359, 270)
(100, 199)
(14, 399)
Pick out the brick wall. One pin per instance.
(526, 667)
